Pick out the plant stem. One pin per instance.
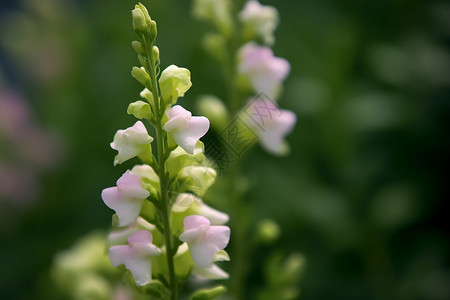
(163, 180)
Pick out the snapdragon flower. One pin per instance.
(131, 142)
(260, 20)
(174, 82)
(127, 198)
(185, 129)
(276, 124)
(204, 240)
(265, 71)
(136, 256)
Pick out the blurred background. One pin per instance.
(362, 195)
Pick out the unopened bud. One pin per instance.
(207, 294)
(155, 51)
(141, 75)
(140, 110)
(137, 46)
(268, 231)
(139, 23)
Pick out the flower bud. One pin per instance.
(268, 231)
(155, 51)
(215, 110)
(141, 75)
(139, 23)
(142, 60)
(206, 294)
(137, 46)
(196, 179)
(174, 82)
(140, 110)
(142, 23)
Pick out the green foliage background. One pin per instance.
(363, 193)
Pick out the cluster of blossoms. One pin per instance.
(165, 232)
(256, 64)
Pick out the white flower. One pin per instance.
(272, 125)
(186, 130)
(131, 142)
(204, 240)
(127, 198)
(186, 201)
(136, 256)
(265, 71)
(261, 20)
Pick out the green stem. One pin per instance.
(166, 212)
(163, 180)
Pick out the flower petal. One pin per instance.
(127, 210)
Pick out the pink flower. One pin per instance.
(136, 256)
(272, 125)
(261, 20)
(264, 70)
(186, 130)
(204, 240)
(127, 198)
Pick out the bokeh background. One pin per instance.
(362, 195)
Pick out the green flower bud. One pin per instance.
(137, 46)
(207, 294)
(174, 82)
(216, 12)
(153, 30)
(268, 231)
(155, 51)
(139, 23)
(147, 95)
(142, 60)
(156, 289)
(142, 23)
(179, 158)
(140, 110)
(215, 110)
(141, 75)
(196, 179)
